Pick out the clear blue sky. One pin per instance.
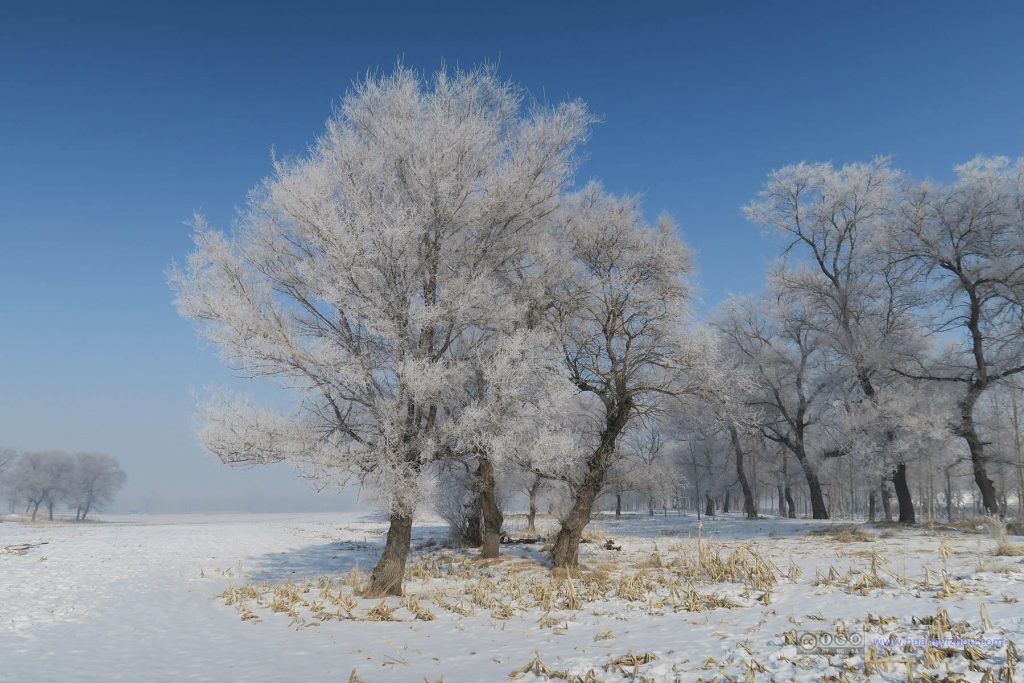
(118, 120)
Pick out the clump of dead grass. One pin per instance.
(540, 669)
(706, 561)
(1004, 546)
(971, 525)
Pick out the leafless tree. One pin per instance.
(966, 240)
(791, 375)
(95, 479)
(625, 337)
(42, 478)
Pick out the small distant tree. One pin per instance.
(7, 458)
(457, 504)
(532, 485)
(94, 481)
(42, 479)
(649, 464)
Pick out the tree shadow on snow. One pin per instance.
(331, 559)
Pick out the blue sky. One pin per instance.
(118, 120)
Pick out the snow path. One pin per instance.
(133, 599)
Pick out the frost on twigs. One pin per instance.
(391, 281)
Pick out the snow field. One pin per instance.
(274, 597)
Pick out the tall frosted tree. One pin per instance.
(368, 277)
(792, 377)
(966, 240)
(836, 222)
(627, 342)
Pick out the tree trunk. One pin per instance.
(565, 552)
(566, 549)
(782, 501)
(818, 508)
(886, 506)
(387, 576)
(949, 497)
(531, 517)
(906, 504)
(853, 493)
(977, 449)
(790, 503)
(493, 518)
(1018, 447)
(472, 529)
(709, 505)
(931, 493)
(650, 505)
(749, 507)
(618, 504)
(725, 505)
(871, 506)
(35, 510)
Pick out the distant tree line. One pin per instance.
(82, 482)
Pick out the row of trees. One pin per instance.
(897, 306)
(82, 482)
(442, 303)
(699, 474)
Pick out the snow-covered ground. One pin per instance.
(267, 598)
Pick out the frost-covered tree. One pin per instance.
(999, 422)
(94, 481)
(737, 438)
(836, 222)
(42, 479)
(7, 489)
(727, 428)
(627, 343)
(698, 461)
(966, 240)
(511, 416)
(651, 456)
(641, 465)
(791, 374)
(456, 502)
(903, 423)
(7, 457)
(533, 492)
(1015, 441)
(368, 277)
